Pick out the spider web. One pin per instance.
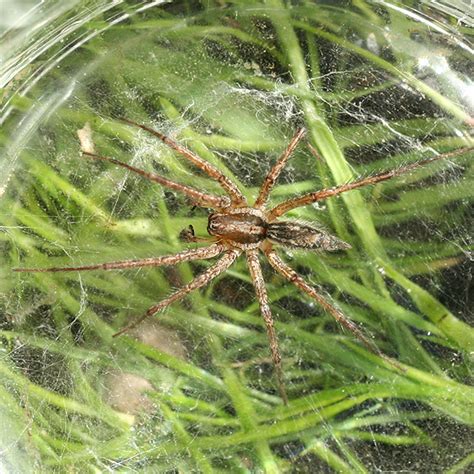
(194, 389)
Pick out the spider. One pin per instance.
(237, 228)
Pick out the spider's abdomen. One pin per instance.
(303, 236)
(243, 227)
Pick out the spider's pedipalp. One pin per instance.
(261, 292)
(234, 192)
(201, 280)
(277, 168)
(281, 267)
(200, 198)
(311, 198)
(173, 259)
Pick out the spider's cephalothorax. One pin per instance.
(237, 228)
(244, 227)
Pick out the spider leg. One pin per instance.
(184, 256)
(235, 194)
(275, 171)
(281, 267)
(199, 197)
(261, 292)
(310, 198)
(201, 280)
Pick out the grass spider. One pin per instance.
(237, 228)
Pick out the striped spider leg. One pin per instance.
(234, 192)
(200, 198)
(322, 194)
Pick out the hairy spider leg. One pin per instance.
(275, 171)
(234, 192)
(261, 292)
(315, 152)
(184, 256)
(201, 280)
(200, 198)
(310, 198)
(281, 267)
